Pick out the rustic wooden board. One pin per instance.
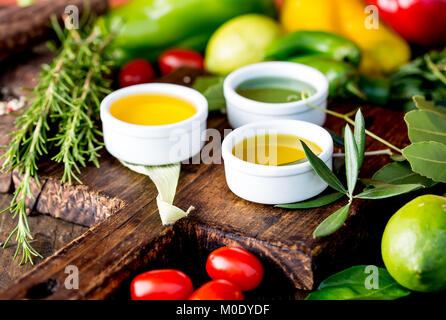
(50, 235)
(132, 237)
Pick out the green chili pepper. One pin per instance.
(342, 77)
(147, 27)
(377, 89)
(314, 42)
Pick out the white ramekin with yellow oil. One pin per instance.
(154, 124)
(254, 174)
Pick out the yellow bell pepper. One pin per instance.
(383, 50)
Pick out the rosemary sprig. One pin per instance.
(61, 119)
(79, 140)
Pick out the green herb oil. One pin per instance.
(273, 89)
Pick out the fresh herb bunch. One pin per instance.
(61, 119)
(424, 76)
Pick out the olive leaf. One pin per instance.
(382, 191)
(332, 223)
(351, 160)
(401, 173)
(336, 138)
(314, 203)
(427, 159)
(370, 183)
(359, 283)
(425, 126)
(360, 136)
(322, 170)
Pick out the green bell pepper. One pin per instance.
(327, 44)
(147, 27)
(342, 77)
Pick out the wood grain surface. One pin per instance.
(131, 238)
(21, 28)
(50, 235)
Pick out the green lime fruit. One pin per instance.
(240, 41)
(414, 244)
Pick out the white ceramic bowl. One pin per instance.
(242, 111)
(276, 184)
(155, 145)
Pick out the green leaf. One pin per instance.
(425, 126)
(332, 223)
(382, 191)
(422, 104)
(370, 183)
(359, 283)
(427, 159)
(314, 203)
(401, 173)
(212, 88)
(360, 136)
(322, 170)
(336, 138)
(351, 160)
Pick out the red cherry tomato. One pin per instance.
(136, 72)
(166, 284)
(217, 290)
(175, 58)
(236, 265)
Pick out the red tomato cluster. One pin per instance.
(231, 269)
(139, 71)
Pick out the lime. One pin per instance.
(414, 244)
(239, 42)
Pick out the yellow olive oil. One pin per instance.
(152, 109)
(273, 149)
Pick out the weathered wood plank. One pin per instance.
(49, 236)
